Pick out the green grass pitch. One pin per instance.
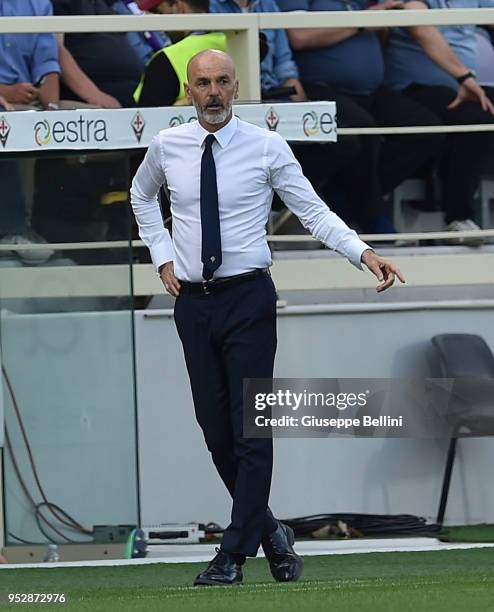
(456, 580)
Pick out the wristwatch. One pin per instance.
(469, 75)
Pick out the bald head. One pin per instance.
(211, 87)
(210, 60)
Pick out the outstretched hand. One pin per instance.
(471, 91)
(169, 280)
(382, 268)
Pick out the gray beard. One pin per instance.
(213, 118)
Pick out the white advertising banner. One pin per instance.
(132, 128)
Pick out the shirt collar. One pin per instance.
(223, 136)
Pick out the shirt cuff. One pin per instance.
(355, 250)
(45, 68)
(161, 254)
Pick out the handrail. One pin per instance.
(376, 18)
(295, 19)
(120, 244)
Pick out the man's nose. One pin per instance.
(214, 90)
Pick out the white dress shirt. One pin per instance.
(251, 162)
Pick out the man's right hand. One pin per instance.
(99, 98)
(169, 279)
(20, 93)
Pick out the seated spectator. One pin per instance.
(346, 65)
(162, 83)
(436, 68)
(145, 44)
(28, 78)
(98, 68)
(29, 68)
(277, 68)
(280, 72)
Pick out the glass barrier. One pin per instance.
(66, 341)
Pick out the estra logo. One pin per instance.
(85, 131)
(312, 123)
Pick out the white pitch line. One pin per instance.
(198, 553)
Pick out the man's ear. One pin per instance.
(188, 92)
(235, 95)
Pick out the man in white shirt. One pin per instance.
(220, 173)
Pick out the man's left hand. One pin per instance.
(382, 268)
(471, 91)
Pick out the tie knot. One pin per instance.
(210, 138)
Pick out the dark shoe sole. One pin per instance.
(209, 582)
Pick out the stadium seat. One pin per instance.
(465, 356)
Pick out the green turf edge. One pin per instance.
(482, 532)
(455, 580)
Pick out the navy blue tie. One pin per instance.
(210, 217)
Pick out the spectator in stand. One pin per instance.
(29, 68)
(436, 68)
(162, 83)
(145, 44)
(346, 65)
(277, 68)
(29, 72)
(279, 71)
(98, 68)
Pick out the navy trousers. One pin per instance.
(228, 336)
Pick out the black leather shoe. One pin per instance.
(223, 570)
(285, 564)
